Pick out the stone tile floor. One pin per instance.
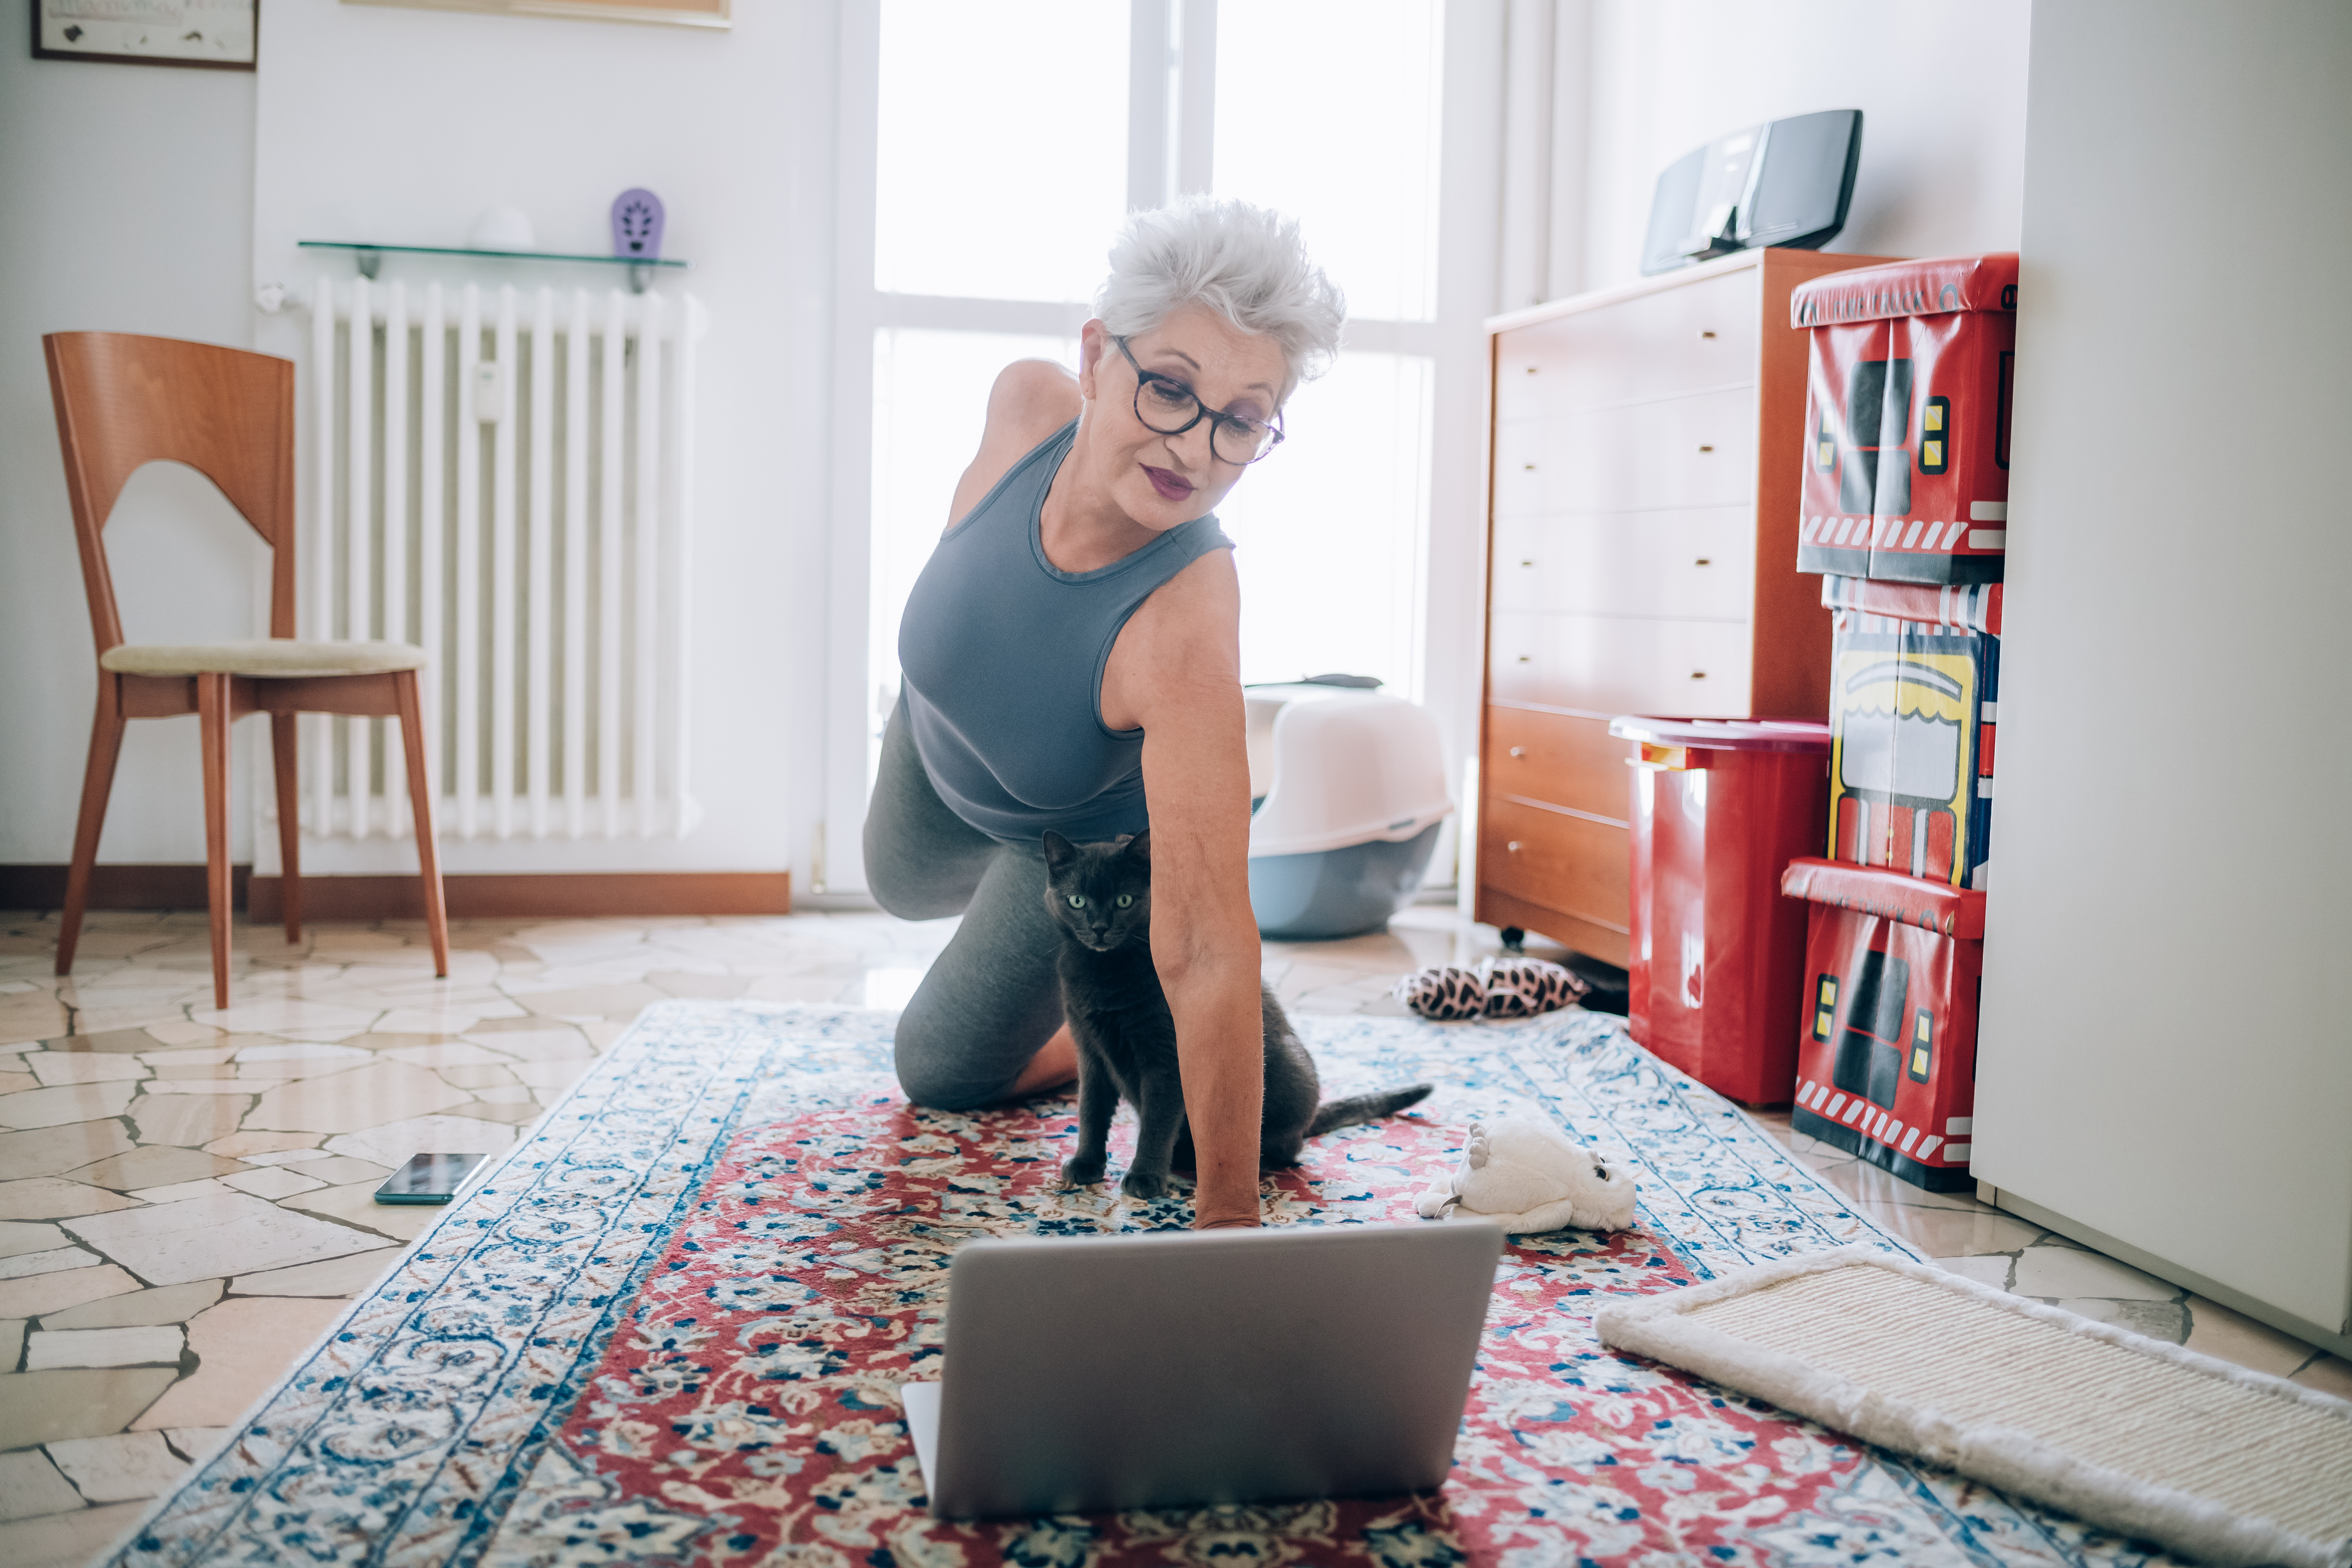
(186, 1194)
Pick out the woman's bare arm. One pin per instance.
(1175, 671)
(1031, 400)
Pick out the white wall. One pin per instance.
(2165, 1054)
(403, 125)
(154, 200)
(128, 190)
(1941, 86)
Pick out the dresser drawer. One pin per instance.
(1607, 664)
(1695, 451)
(1561, 862)
(1697, 565)
(1684, 339)
(1558, 759)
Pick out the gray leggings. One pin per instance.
(991, 998)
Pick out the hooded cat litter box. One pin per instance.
(1351, 789)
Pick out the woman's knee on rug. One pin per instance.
(939, 1071)
(972, 1025)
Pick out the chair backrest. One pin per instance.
(124, 402)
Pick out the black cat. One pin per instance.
(1101, 894)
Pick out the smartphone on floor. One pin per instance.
(428, 1179)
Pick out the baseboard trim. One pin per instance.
(851, 902)
(488, 896)
(173, 887)
(573, 894)
(2338, 1342)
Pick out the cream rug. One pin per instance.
(2207, 1458)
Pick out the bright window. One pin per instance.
(1327, 110)
(1332, 530)
(1001, 155)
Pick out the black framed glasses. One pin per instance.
(1169, 407)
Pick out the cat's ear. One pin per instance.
(1139, 847)
(1059, 851)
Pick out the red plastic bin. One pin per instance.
(1720, 807)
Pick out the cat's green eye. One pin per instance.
(1078, 900)
(1125, 900)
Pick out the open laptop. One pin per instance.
(1173, 1368)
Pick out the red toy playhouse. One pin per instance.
(1886, 1052)
(1907, 409)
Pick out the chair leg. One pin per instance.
(420, 800)
(211, 712)
(283, 755)
(96, 785)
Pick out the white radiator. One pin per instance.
(507, 480)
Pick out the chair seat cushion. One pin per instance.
(281, 657)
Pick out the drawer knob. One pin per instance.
(1519, 751)
(1531, 370)
(1513, 846)
(1706, 448)
(1698, 675)
(1704, 561)
(1527, 659)
(1531, 467)
(1706, 334)
(1526, 563)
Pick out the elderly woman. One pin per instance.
(1072, 661)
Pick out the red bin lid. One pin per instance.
(1725, 735)
(1929, 288)
(1937, 907)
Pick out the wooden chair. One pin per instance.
(123, 401)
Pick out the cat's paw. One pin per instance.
(1143, 1185)
(1082, 1172)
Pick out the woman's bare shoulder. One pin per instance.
(1031, 400)
(1179, 651)
(1034, 393)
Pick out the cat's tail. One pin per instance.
(1364, 1108)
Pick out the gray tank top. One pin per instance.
(1002, 660)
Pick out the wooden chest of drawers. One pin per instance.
(1641, 506)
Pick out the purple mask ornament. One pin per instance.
(638, 225)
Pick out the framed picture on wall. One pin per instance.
(673, 13)
(217, 34)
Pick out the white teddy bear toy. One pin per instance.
(1524, 1174)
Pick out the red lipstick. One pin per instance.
(1170, 486)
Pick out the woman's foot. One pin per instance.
(1055, 1066)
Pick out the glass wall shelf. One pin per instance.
(369, 257)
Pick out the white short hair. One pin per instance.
(1244, 262)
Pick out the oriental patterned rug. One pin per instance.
(670, 1327)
